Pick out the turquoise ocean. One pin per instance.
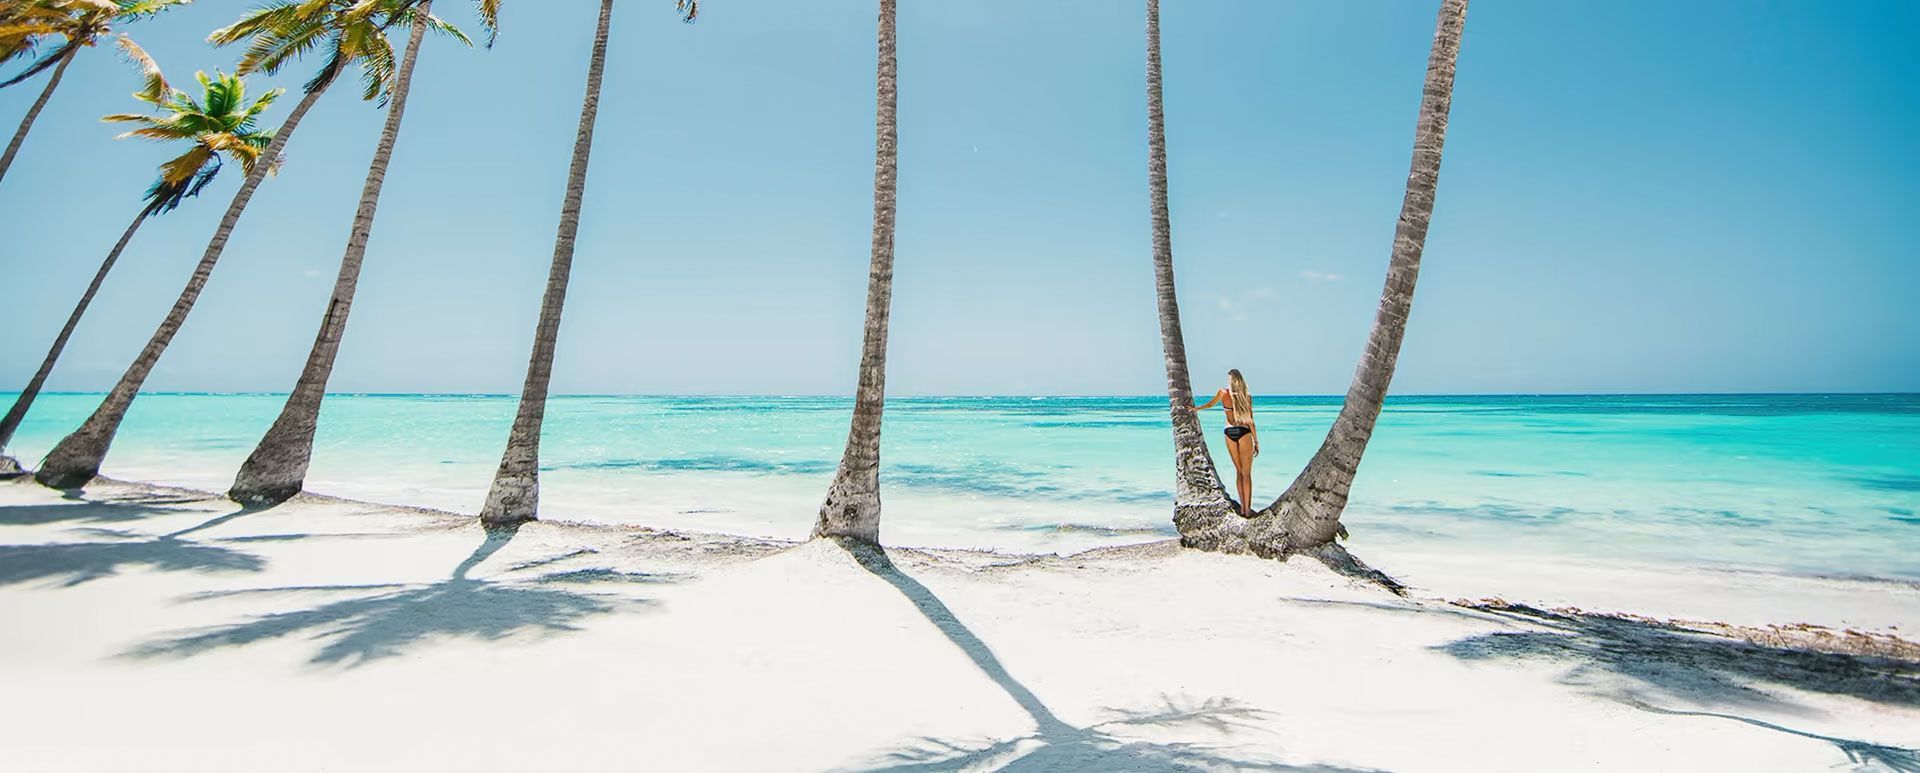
(1804, 484)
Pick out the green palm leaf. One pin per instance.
(352, 33)
(26, 24)
(220, 125)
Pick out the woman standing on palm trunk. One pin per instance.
(1243, 442)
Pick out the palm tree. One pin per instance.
(1306, 518)
(277, 468)
(220, 124)
(514, 497)
(353, 33)
(25, 23)
(1197, 488)
(852, 507)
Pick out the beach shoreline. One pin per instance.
(1777, 484)
(1717, 594)
(151, 610)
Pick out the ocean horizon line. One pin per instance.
(1048, 396)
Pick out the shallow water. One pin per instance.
(1826, 484)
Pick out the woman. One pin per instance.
(1243, 443)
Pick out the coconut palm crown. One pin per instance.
(349, 31)
(81, 23)
(220, 124)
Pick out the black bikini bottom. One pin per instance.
(1235, 433)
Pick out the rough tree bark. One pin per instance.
(26, 124)
(76, 459)
(1198, 492)
(1307, 517)
(21, 404)
(277, 468)
(852, 506)
(515, 495)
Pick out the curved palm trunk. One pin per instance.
(26, 124)
(1198, 493)
(1307, 516)
(515, 495)
(852, 507)
(76, 459)
(277, 468)
(25, 401)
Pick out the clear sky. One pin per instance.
(1637, 196)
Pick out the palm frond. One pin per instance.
(220, 126)
(182, 178)
(271, 16)
(489, 13)
(139, 9)
(441, 26)
(50, 59)
(155, 85)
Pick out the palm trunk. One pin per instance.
(25, 401)
(852, 507)
(26, 124)
(1307, 516)
(76, 459)
(515, 495)
(277, 468)
(1198, 493)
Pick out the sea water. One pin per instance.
(1822, 484)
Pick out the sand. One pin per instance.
(156, 629)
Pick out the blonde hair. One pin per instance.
(1242, 402)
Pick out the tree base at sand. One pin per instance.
(1269, 535)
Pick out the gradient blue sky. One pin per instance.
(1637, 196)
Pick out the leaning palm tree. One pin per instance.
(514, 497)
(353, 34)
(852, 507)
(221, 125)
(277, 468)
(1197, 488)
(25, 24)
(1306, 518)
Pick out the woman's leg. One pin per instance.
(1242, 452)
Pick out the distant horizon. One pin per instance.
(849, 396)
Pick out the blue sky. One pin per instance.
(1637, 196)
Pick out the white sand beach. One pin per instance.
(166, 630)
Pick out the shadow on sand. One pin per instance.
(1055, 744)
(81, 510)
(1630, 660)
(387, 620)
(73, 563)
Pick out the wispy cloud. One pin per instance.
(1320, 276)
(1240, 305)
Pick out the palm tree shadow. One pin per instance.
(1862, 753)
(74, 563)
(89, 511)
(390, 619)
(1688, 665)
(1623, 659)
(1055, 744)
